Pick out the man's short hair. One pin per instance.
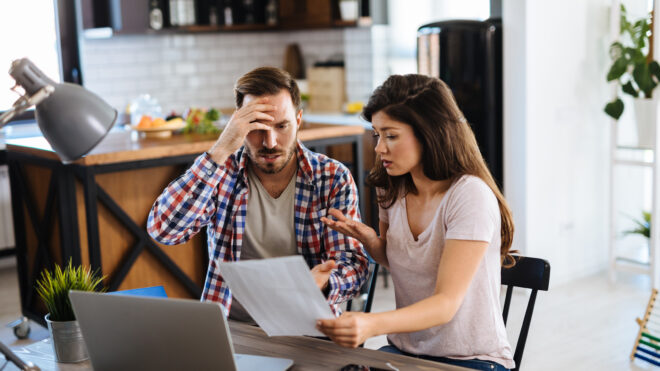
(266, 81)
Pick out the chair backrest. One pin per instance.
(368, 289)
(529, 273)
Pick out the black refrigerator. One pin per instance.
(467, 55)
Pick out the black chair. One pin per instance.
(529, 273)
(368, 288)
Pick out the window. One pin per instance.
(41, 31)
(406, 19)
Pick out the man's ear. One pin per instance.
(299, 119)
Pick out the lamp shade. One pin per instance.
(72, 119)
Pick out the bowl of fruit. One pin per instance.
(158, 127)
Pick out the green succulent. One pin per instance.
(53, 288)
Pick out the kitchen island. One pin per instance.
(94, 211)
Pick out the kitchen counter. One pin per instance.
(336, 119)
(127, 145)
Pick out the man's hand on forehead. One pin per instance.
(251, 116)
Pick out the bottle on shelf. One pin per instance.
(271, 13)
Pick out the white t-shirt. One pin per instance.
(468, 211)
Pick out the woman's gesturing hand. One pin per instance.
(352, 228)
(348, 330)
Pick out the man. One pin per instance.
(262, 194)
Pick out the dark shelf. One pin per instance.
(237, 27)
(363, 22)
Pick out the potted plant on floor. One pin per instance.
(637, 73)
(53, 288)
(643, 226)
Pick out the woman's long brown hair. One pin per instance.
(449, 148)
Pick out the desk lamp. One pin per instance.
(72, 119)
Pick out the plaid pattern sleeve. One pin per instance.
(187, 204)
(328, 183)
(352, 262)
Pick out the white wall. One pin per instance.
(556, 135)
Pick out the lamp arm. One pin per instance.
(25, 102)
(11, 356)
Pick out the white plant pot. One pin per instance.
(348, 10)
(646, 117)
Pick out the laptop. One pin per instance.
(125, 332)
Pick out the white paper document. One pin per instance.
(279, 293)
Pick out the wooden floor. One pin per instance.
(587, 324)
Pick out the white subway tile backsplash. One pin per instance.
(205, 40)
(185, 70)
(151, 57)
(196, 54)
(172, 54)
(183, 40)
(217, 53)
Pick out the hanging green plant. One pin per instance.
(633, 67)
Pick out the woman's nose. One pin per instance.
(380, 147)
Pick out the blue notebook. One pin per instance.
(154, 292)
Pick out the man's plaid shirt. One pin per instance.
(213, 196)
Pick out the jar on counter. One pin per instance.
(144, 105)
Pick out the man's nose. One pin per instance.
(270, 139)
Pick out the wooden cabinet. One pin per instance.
(305, 13)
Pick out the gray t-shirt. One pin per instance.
(468, 211)
(269, 229)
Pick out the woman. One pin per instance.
(445, 231)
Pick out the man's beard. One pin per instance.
(270, 168)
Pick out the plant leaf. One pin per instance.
(628, 88)
(53, 287)
(616, 51)
(654, 69)
(614, 108)
(643, 227)
(643, 79)
(618, 68)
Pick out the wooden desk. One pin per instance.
(315, 354)
(307, 353)
(95, 210)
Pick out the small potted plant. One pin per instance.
(53, 287)
(634, 68)
(642, 227)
